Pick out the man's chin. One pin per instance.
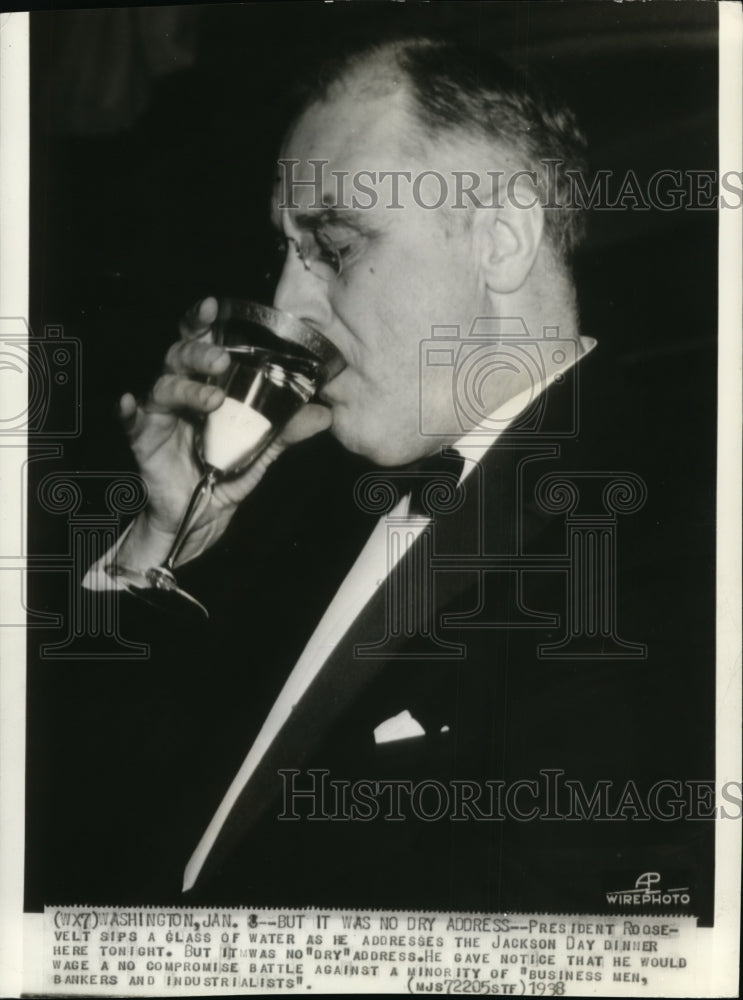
(385, 451)
(358, 444)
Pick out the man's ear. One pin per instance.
(508, 237)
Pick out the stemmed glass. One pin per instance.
(278, 363)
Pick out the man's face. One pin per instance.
(404, 270)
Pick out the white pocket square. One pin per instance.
(399, 727)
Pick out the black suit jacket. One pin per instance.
(478, 670)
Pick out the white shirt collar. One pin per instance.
(473, 445)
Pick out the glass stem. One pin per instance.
(202, 492)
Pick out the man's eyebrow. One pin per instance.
(312, 220)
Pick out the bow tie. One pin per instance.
(440, 469)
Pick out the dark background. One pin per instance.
(151, 167)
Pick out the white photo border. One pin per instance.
(20, 934)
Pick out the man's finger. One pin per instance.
(199, 318)
(132, 418)
(311, 420)
(176, 392)
(195, 357)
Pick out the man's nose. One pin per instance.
(303, 294)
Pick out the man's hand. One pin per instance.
(161, 434)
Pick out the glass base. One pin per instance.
(158, 588)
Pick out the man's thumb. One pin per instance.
(311, 419)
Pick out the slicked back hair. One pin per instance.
(458, 88)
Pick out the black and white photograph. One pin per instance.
(372, 584)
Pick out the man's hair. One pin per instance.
(459, 88)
